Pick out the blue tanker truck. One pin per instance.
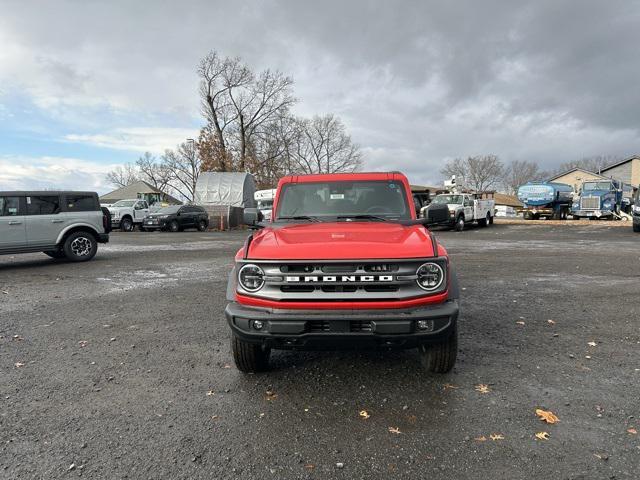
(545, 199)
(603, 199)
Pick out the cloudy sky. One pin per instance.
(87, 85)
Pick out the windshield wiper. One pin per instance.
(362, 217)
(301, 217)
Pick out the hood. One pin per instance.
(595, 193)
(341, 240)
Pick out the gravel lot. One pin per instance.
(124, 371)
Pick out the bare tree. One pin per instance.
(519, 172)
(592, 164)
(185, 166)
(238, 104)
(124, 175)
(156, 173)
(480, 173)
(322, 145)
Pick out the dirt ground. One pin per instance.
(120, 368)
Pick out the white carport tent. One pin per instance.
(232, 189)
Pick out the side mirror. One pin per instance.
(252, 216)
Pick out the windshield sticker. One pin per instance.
(337, 196)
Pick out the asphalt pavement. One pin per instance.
(120, 368)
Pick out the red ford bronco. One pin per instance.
(343, 263)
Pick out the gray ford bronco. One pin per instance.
(61, 224)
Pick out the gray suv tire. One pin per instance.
(80, 246)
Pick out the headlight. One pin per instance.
(115, 214)
(163, 217)
(636, 208)
(251, 277)
(430, 276)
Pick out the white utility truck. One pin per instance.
(264, 200)
(465, 208)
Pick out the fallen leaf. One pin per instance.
(5, 292)
(395, 430)
(210, 392)
(271, 395)
(226, 365)
(483, 388)
(481, 439)
(551, 322)
(18, 338)
(447, 386)
(520, 322)
(309, 466)
(592, 344)
(496, 436)
(83, 343)
(364, 414)
(547, 416)
(604, 456)
(542, 436)
(19, 364)
(632, 431)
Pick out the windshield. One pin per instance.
(125, 203)
(596, 186)
(169, 210)
(330, 200)
(453, 199)
(265, 204)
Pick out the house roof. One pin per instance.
(509, 200)
(133, 190)
(551, 179)
(634, 157)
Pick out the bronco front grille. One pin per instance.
(590, 203)
(336, 281)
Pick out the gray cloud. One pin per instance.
(417, 82)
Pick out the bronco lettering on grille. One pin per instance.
(337, 278)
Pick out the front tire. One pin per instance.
(202, 226)
(126, 225)
(80, 246)
(441, 357)
(636, 227)
(459, 224)
(249, 357)
(173, 226)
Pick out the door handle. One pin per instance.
(15, 223)
(57, 221)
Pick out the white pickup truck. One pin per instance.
(126, 214)
(465, 208)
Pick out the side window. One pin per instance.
(139, 206)
(144, 205)
(9, 206)
(43, 205)
(81, 203)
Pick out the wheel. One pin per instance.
(636, 227)
(141, 228)
(126, 224)
(173, 226)
(459, 224)
(249, 357)
(58, 254)
(202, 225)
(490, 219)
(441, 357)
(80, 246)
(483, 222)
(576, 217)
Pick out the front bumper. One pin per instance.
(342, 329)
(592, 213)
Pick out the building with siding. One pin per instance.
(576, 176)
(627, 170)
